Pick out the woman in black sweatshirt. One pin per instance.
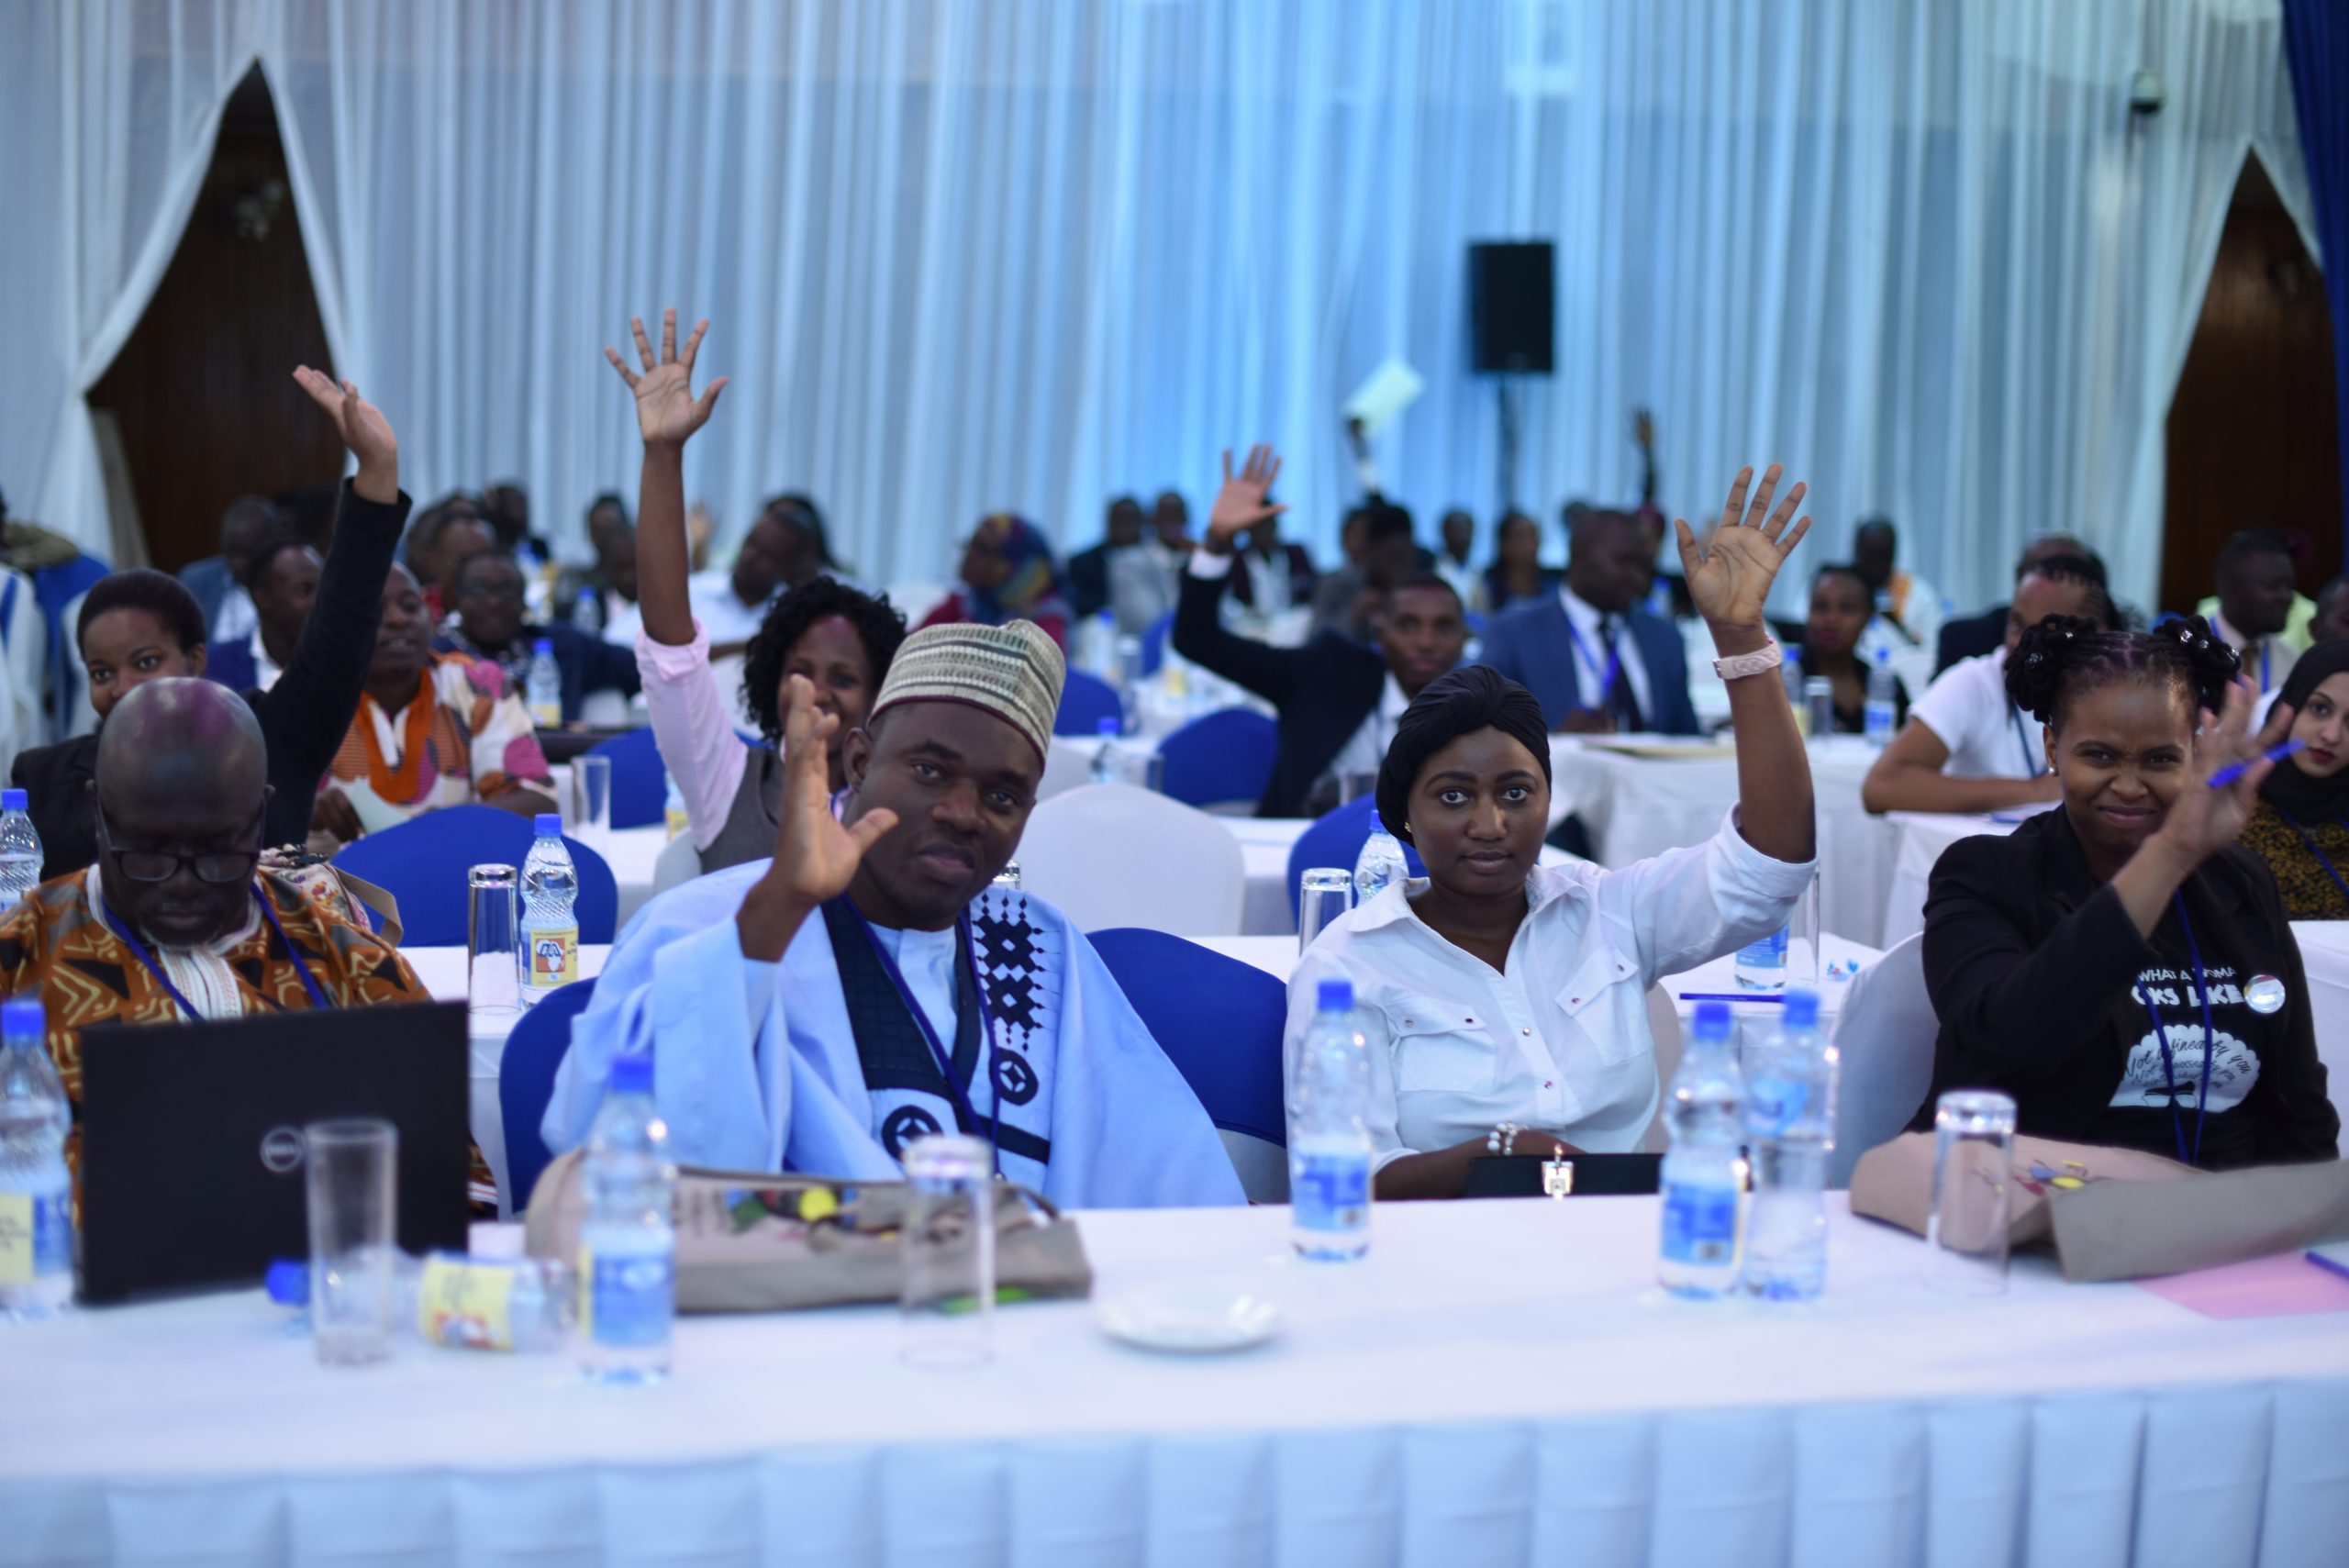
(2081, 963)
(138, 625)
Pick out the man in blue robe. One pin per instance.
(869, 985)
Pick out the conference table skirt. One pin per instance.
(1498, 1383)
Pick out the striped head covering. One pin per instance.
(1013, 671)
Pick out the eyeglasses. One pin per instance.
(219, 867)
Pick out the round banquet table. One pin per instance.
(1640, 795)
(1497, 1382)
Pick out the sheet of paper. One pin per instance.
(2285, 1285)
(1392, 387)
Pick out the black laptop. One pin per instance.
(191, 1145)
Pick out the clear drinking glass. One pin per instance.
(1324, 893)
(591, 799)
(947, 1301)
(1974, 1138)
(352, 1204)
(1355, 783)
(1819, 698)
(1803, 959)
(493, 980)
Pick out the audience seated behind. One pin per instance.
(1965, 637)
(837, 639)
(172, 924)
(1008, 574)
(1966, 746)
(868, 985)
(1517, 574)
(1590, 655)
(1338, 700)
(2074, 963)
(1909, 610)
(430, 730)
(785, 549)
(1458, 530)
(283, 581)
(1348, 600)
(489, 628)
(448, 534)
(1506, 1002)
(218, 581)
(599, 595)
(1269, 576)
(2257, 611)
(1831, 641)
(1131, 573)
(2301, 827)
(141, 625)
(2331, 621)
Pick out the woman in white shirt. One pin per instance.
(1506, 1002)
(1966, 747)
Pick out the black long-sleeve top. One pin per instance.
(303, 717)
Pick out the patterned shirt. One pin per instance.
(2310, 892)
(476, 738)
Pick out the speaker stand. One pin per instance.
(1503, 389)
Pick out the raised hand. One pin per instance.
(1729, 575)
(667, 412)
(815, 854)
(2204, 820)
(1243, 501)
(363, 430)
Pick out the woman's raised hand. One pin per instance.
(1729, 575)
(667, 412)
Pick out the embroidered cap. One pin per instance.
(1014, 670)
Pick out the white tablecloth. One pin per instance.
(1920, 839)
(1639, 806)
(1498, 1383)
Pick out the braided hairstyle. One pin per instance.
(2066, 655)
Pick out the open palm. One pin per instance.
(815, 853)
(667, 412)
(359, 423)
(1245, 498)
(1729, 575)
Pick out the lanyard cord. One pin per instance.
(1614, 659)
(130, 936)
(2031, 766)
(2322, 857)
(2210, 1043)
(968, 953)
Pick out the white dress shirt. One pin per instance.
(725, 618)
(1968, 711)
(1590, 656)
(265, 669)
(2267, 661)
(1366, 748)
(1558, 1040)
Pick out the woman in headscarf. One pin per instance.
(1506, 1001)
(1008, 574)
(2301, 828)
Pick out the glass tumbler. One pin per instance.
(591, 799)
(1973, 1136)
(947, 1300)
(1324, 893)
(493, 937)
(1804, 960)
(351, 1206)
(1819, 699)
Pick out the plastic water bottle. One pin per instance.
(1760, 965)
(673, 806)
(1328, 1140)
(20, 850)
(1884, 690)
(1791, 1127)
(1104, 754)
(1703, 1170)
(588, 612)
(461, 1303)
(550, 920)
(628, 1245)
(544, 686)
(36, 1189)
(1380, 863)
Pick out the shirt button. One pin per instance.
(1525, 1031)
(1545, 1083)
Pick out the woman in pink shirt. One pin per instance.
(841, 639)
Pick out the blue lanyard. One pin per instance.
(966, 952)
(2209, 1044)
(1614, 660)
(2263, 669)
(2031, 766)
(123, 928)
(2322, 857)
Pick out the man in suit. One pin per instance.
(218, 581)
(1969, 636)
(1597, 661)
(1269, 574)
(1128, 573)
(1339, 701)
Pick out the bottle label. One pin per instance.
(626, 1301)
(547, 715)
(1767, 952)
(1329, 1191)
(465, 1306)
(1774, 1105)
(1699, 1225)
(553, 954)
(36, 1236)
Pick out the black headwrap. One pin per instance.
(2286, 787)
(1476, 696)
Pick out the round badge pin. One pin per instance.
(2264, 994)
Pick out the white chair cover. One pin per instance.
(1885, 1035)
(678, 862)
(1118, 855)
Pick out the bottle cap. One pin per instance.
(1802, 1007)
(21, 1016)
(1108, 728)
(1334, 996)
(543, 645)
(632, 1072)
(12, 800)
(288, 1283)
(1711, 1021)
(547, 824)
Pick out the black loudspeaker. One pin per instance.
(1512, 296)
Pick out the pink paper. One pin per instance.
(2285, 1285)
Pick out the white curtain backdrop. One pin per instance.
(969, 254)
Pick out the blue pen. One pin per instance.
(2275, 754)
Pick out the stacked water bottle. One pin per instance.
(542, 686)
(550, 924)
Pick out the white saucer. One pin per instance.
(1189, 1323)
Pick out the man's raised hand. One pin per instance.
(667, 412)
(1243, 501)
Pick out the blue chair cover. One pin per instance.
(1337, 840)
(54, 587)
(1218, 1021)
(1226, 755)
(1085, 701)
(640, 779)
(423, 861)
(1153, 642)
(526, 1081)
